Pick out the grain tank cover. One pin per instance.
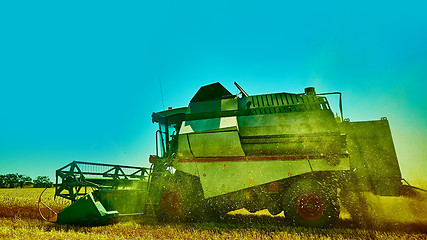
(210, 92)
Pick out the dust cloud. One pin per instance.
(407, 212)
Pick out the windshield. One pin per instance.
(166, 139)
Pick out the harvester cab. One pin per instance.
(285, 152)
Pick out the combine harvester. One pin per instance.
(281, 152)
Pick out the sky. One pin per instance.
(79, 80)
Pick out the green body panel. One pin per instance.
(374, 165)
(85, 211)
(216, 137)
(219, 178)
(202, 125)
(217, 144)
(224, 175)
(324, 165)
(311, 132)
(296, 123)
(190, 168)
(184, 150)
(209, 125)
(212, 109)
(125, 201)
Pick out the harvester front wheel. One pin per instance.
(310, 204)
(172, 205)
(181, 200)
(171, 202)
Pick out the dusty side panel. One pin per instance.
(373, 159)
(314, 132)
(217, 144)
(223, 177)
(215, 137)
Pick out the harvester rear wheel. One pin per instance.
(308, 203)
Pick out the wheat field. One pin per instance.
(19, 219)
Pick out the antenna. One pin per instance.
(161, 93)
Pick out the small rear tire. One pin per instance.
(309, 203)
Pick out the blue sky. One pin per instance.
(79, 80)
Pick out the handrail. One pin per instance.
(340, 101)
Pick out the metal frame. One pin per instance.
(76, 177)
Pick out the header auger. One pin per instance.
(281, 151)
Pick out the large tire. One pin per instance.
(172, 206)
(181, 200)
(309, 203)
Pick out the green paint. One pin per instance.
(219, 178)
(85, 211)
(217, 144)
(324, 165)
(374, 164)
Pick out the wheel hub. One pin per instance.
(310, 206)
(171, 202)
